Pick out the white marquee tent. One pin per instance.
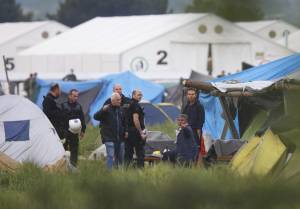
(269, 29)
(156, 47)
(293, 41)
(17, 36)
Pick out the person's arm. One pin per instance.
(136, 122)
(50, 108)
(100, 115)
(200, 122)
(124, 123)
(138, 126)
(82, 122)
(186, 132)
(64, 117)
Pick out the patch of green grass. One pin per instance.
(90, 141)
(161, 186)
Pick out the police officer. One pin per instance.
(136, 131)
(196, 115)
(73, 110)
(52, 109)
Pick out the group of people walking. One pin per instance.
(122, 126)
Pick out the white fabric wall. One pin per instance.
(43, 148)
(187, 57)
(229, 57)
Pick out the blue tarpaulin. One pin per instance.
(151, 91)
(275, 70)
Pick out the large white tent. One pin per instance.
(153, 46)
(17, 36)
(292, 41)
(270, 29)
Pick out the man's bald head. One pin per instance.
(117, 88)
(115, 99)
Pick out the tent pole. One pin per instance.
(228, 117)
(6, 73)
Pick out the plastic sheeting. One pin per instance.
(154, 115)
(152, 92)
(171, 110)
(260, 155)
(250, 86)
(278, 69)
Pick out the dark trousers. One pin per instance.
(72, 144)
(134, 142)
(173, 157)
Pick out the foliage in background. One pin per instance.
(10, 11)
(233, 10)
(74, 12)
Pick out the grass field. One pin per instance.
(158, 187)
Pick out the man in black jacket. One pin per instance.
(136, 130)
(72, 110)
(52, 109)
(113, 130)
(196, 115)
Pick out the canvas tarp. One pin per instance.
(281, 68)
(170, 109)
(93, 94)
(26, 134)
(260, 155)
(88, 91)
(277, 152)
(151, 92)
(175, 92)
(154, 115)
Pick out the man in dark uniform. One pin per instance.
(52, 109)
(73, 110)
(113, 130)
(136, 131)
(196, 115)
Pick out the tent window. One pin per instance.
(219, 29)
(45, 34)
(272, 34)
(202, 28)
(16, 130)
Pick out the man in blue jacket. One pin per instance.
(185, 144)
(113, 130)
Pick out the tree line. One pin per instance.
(74, 12)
